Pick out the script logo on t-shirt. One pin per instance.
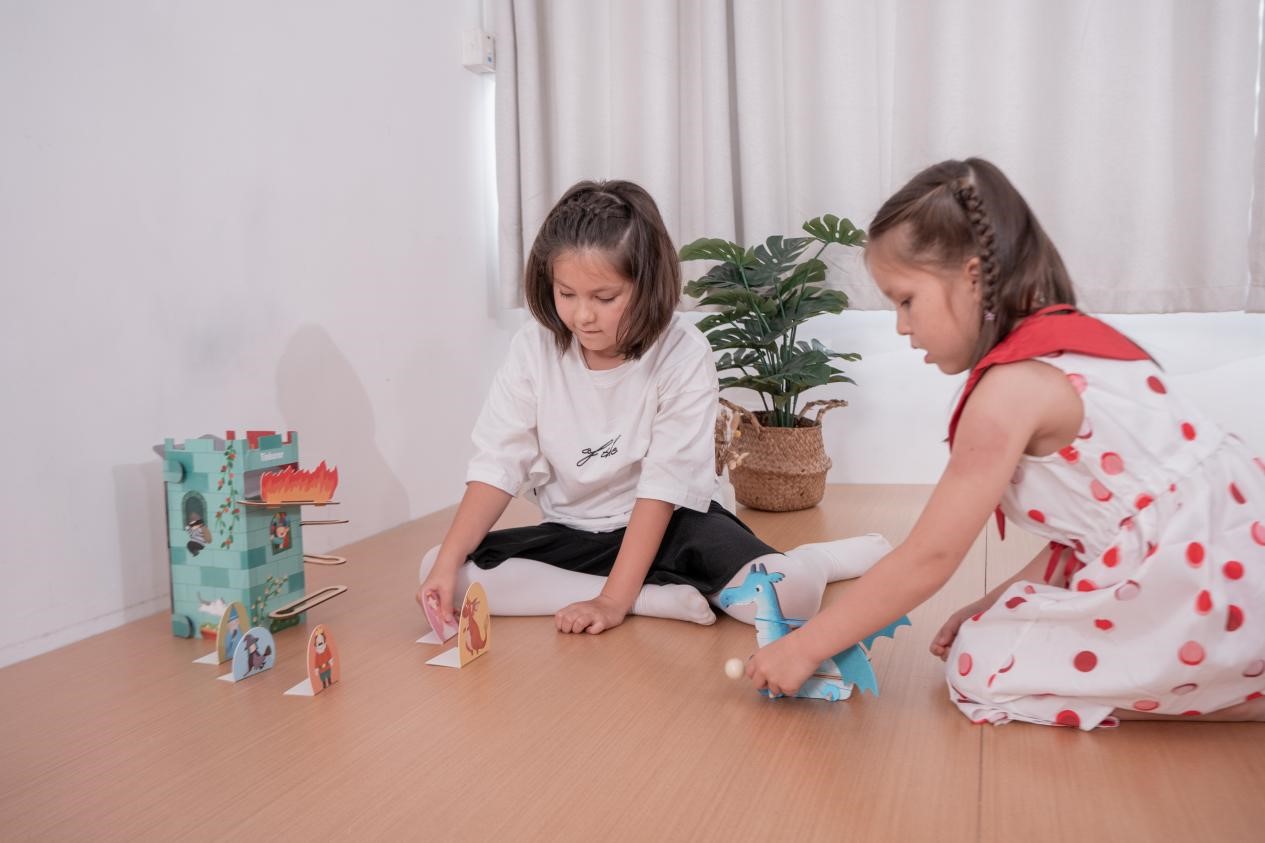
(606, 449)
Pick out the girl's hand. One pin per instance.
(592, 616)
(438, 588)
(943, 640)
(782, 666)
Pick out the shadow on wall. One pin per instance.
(144, 572)
(321, 397)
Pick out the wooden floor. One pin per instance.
(632, 735)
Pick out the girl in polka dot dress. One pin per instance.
(1150, 599)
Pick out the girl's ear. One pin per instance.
(972, 274)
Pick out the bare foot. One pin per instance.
(1252, 711)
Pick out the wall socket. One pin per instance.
(478, 51)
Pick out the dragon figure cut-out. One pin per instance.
(835, 678)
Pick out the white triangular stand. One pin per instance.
(429, 638)
(228, 677)
(448, 658)
(209, 658)
(303, 689)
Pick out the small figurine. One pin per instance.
(837, 675)
(322, 658)
(255, 653)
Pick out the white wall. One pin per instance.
(229, 215)
(280, 215)
(894, 428)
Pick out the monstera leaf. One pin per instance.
(759, 296)
(832, 229)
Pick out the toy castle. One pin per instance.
(225, 543)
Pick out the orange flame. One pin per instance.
(292, 485)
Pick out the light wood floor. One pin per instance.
(632, 735)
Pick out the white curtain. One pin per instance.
(1128, 125)
(1256, 245)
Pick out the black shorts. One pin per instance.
(702, 549)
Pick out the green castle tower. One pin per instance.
(223, 550)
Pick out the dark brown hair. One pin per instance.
(620, 220)
(956, 210)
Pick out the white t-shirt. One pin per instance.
(589, 443)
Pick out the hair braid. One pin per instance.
(620, 221)
(592, 205)
(982, 230)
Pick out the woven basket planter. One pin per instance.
(777, 469)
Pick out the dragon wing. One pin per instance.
(854, 668)
(888, 631)
(854, 662)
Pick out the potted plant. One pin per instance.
(761, 295)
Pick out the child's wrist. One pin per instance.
(617, 601)
(447, 564)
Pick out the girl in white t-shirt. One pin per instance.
(604, 412)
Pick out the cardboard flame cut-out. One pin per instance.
(295, 485)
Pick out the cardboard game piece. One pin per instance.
(321, 559)
(293, 485)
(227, 634)
(266, 505)
(324, 664)
(306, 602)
(474, 631)
(439, 631)
(836, 677)
(255, 653)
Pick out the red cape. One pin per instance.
(1059, 327)
(1052, 329)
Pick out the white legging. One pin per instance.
(527, 587)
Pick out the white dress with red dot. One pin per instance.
(1154, 598)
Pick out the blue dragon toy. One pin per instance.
(837, 675)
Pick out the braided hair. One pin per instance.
(956, 210)
(620, 220)
(982, 229)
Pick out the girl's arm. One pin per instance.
(645, 530)
(1012, 406)
(481, 506)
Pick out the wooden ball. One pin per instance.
(734, 668)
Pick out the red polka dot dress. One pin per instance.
(1155, 591)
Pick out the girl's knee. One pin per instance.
(799, 590)
(972, 665)
(802, 586)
